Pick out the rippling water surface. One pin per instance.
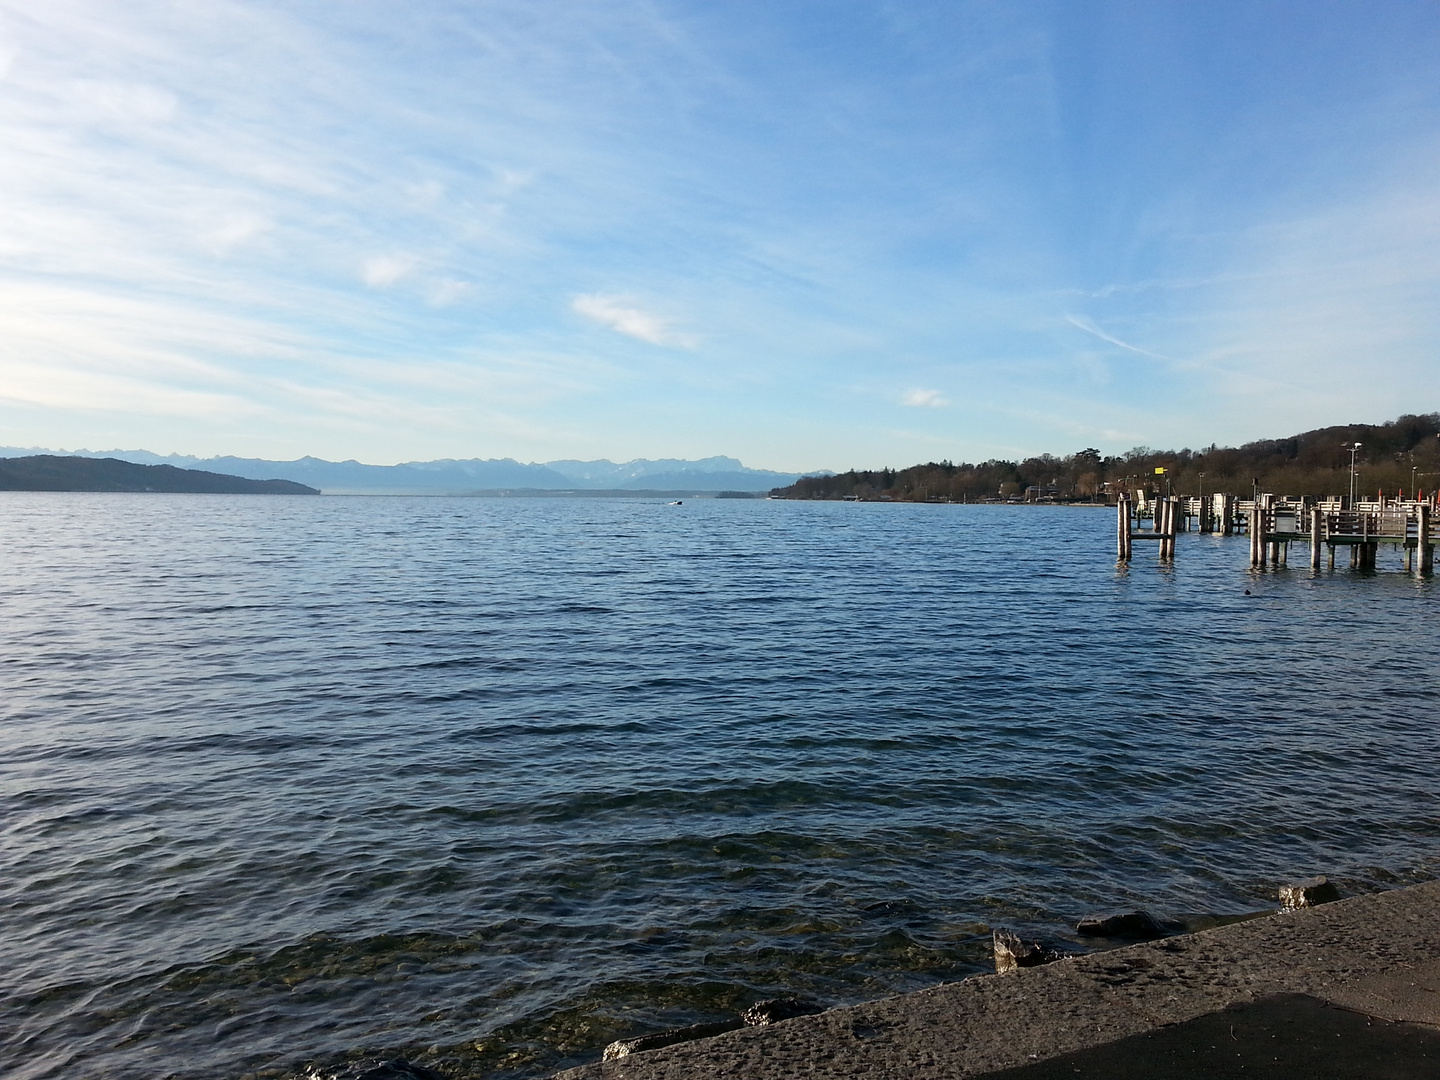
(492, 782)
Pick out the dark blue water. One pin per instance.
(492, 782)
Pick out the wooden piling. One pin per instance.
(1259, 529)
(1273, 522)
(1424, 549)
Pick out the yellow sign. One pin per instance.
(1159, 472)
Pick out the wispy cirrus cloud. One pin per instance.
(122, 102)
(235, 231)
(382, 271)
(1095, 331)
(412, 224)
(619, 314)
(448, 292)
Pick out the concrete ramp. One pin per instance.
(1348, 989)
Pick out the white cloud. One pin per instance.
(924, 399)
(616, 313)
(385, 270)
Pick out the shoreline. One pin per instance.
(1375, 956)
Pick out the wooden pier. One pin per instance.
(1274, 522)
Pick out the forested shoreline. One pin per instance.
(1403, 454)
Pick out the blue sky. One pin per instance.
(809, 235)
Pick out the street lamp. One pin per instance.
(1354, 448)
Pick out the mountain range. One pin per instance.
(463, 476)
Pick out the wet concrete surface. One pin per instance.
(1290, 1035)
(1348, 989)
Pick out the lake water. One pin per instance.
(492, 782)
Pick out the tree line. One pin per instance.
(1399, 456)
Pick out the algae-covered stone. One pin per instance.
(625, 1047)
(1012, 952)
(379, 1069)
(773, 1010)
(1131, 925)
(1308, 893)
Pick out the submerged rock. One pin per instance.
(378, 1069)
(1308, 893)
(625, 1047)
(1132, 925)
(773, 1010)
(1013, 953)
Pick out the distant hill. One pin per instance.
(451, 476)
(48, 472)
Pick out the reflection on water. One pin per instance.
(494, 782)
